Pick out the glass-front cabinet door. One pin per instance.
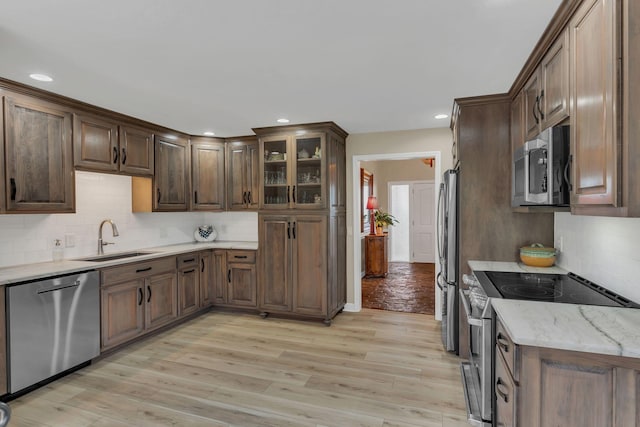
(308, 190)
(276, 188)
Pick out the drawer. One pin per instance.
(136, 270)
(236, 256)
(506, 394)
(187, 260)
(508, 350)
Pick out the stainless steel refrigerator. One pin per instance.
(447, 279)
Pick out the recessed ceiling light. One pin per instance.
(208, 133)
(441, 116)
(283, 120)
(41, 77)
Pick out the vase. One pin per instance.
(379, 231)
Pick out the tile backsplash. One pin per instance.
(602, 249)
(29, 238)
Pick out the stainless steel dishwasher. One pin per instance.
(53, 325)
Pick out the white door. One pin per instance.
(422, 222)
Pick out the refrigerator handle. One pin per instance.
(439, 281)
(439, 223)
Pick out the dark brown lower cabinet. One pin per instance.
(234, 276)
(296, 276)
(188, 284)
(539, 387)
(137, 298)
(206, 279)
(376, 256)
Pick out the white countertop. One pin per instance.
(586, 328)
(20, 273)
(513, 267)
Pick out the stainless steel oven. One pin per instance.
(477, 373)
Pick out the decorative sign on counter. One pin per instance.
(205, 233)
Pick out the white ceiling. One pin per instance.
(228, 66)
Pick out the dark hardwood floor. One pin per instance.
(409, 287)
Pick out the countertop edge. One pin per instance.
(572, 327)
(29, 272)
(511, 266)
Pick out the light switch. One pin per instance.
(69, 240)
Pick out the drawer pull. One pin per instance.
(140, 270)
(240, 256)
(502, 342)
(189, 260)
(189, 271)
(502, 394)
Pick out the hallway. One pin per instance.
(409, 287)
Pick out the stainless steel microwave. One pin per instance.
(541, 169)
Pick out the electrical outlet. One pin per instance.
(561, 244)
(69, 240)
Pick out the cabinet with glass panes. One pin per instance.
(295, 165)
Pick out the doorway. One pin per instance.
(405, 189)
(412, 239)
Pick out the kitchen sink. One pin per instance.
(102, 258)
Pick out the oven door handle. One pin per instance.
(472, 321)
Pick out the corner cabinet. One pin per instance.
(38, 161)
(243, 173)
(207, 174)
(171, 178)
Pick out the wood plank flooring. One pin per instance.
(373, 368)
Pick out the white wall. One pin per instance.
(410, 141)
(29, 238)
(602, 249)
(385, 171)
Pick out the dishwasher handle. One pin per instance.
(61, 287)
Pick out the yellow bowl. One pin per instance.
(537, 255)
(537, 261)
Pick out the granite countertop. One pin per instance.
(585, 328)
(513, 267)
(20, 273)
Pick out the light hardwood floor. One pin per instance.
(374, 368)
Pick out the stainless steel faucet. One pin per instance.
(102, 244)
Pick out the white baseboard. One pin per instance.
(351, 307)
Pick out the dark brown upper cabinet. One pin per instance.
(38, 158)
(171, 178)
(243, 173)
(136, 151)
(594, 96)
(101, 145)
(302, 167)
(207, 174)
(546, 93)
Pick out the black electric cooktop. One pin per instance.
(570, 288)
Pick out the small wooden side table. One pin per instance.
(376, 256)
